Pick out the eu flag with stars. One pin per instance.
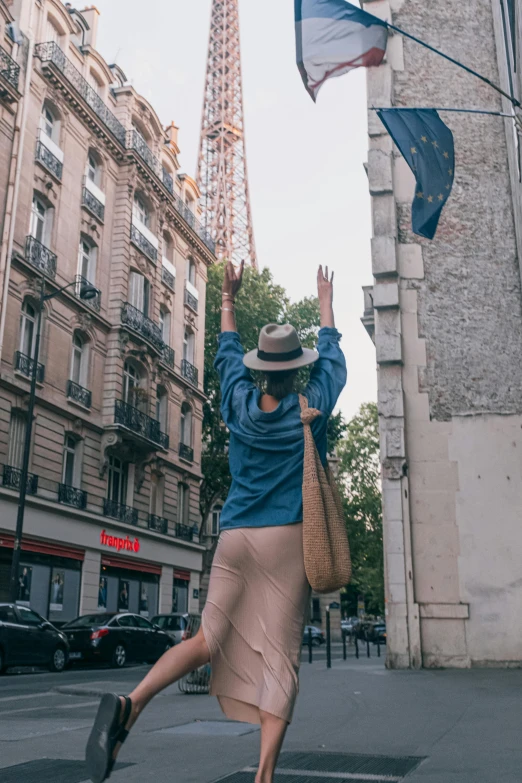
(426, 144)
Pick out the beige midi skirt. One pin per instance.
(253, 620)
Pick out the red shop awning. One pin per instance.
(185, 575)
(44, 547)
(131, 565)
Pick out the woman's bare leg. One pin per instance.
(273, 732)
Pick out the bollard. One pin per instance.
(368, 654)
(344, 645)
(328, 641)
(309, 645)
(378, 648)
(356, 647)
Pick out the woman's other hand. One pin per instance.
(233, 278)
(325, 294)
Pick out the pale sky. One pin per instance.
(308, 188)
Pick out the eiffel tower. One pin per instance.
(222, 166)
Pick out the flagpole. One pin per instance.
(430, 108)
(455, 62)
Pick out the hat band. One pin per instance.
(265, 356)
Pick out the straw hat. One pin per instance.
(279, 349)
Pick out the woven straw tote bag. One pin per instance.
(326, 550)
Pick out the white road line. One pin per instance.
(29, 696)
(336, 775)
(74, 706)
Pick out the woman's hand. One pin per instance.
(233, 279)
(325, 294)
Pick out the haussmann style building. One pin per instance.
(446, 320)
(90, 191)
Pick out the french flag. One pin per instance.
(334, 37)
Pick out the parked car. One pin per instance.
(317, 635)
(179, 626)
(115, 638)
(350, 625)
(28, 639)
(378, 633)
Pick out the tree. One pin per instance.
(260, 301)
(360, 475)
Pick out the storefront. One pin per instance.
(49, 577)
(180, 591)
(128, 587)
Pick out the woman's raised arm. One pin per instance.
(231, 285)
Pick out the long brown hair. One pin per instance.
(281, 383)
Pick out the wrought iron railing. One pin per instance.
(189, 372)
(168, 181)
(168, 278)
(44, 156)
(95, 301)
(186, 452)
(9, 69)
(91, 203)
(118, 511)
(79, 394)
(138, 422)
(143, 244)
(160, 524)
(194, 223)
(12, 478)
(40, 256)
(71, 496)
(51, 52)
(136, 142)
(191, 300)
(184, 532)
(168, 355)
(138, 321)
(24, 364)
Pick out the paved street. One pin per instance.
(465, 723)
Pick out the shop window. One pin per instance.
(117, 478)
(140, 211)
(183, 503)
(139, 292)
(15, 450)
(41, 219)
(186, 424)
(87, 260)
(189, 342)
(191, 271)
(215, 522)
(180, 591)
(71, 461)
(28, 329)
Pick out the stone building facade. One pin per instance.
(446, 320)
(90, 190)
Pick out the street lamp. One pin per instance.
(86, 291)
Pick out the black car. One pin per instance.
(28, 639)
(317, 635)
(115, 638)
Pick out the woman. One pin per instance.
(252, 624)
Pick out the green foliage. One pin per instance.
(259, 302)
(361, 478)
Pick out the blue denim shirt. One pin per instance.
(267, 448)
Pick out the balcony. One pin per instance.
(191, 296)
(50, 53)
(194, 223)
(168, 273)
(40, 257)
(49, 155)
(168, 356)
(189, 372)
(95, 302)
(78, 394)
(93, 199)
(184, 532)
(12, 478)
(160, 524)
(24, 365)
(70, 496)
(138, 422)
(143, 244)
(119, 511)
(138, 322)
(186, 452)
(10, 74)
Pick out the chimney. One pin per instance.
(91, 15)
(172, 136)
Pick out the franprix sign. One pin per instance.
(120, 544)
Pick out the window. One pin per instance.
(189, 201)
(139, 292)
(52, 34)
(93, 169)
(7, 615)
(39, 220)
(164, 323)
(87, 260)
(28, 617)
(133, 392)
(188, 346)
(157, 490)
(191, 271)
(161, 408)
(28, 329)
(94, 83)
(117, 480)
(15, 452)
(140, 211)
(186, 424)
(183, 504)
(48, 123)
(79, 361)
(69, 460)
(168, 249)
(216, 520)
